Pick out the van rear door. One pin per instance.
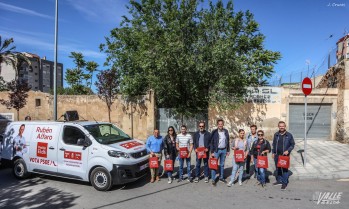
(72, 154)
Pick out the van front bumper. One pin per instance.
(122, 174)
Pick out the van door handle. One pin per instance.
(51, 147)
(62, 149)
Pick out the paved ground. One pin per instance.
(49, 192)
(327, 162)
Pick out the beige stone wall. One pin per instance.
(90, 107)
(266, 116)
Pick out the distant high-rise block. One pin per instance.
(38, 74)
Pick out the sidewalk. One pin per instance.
(325, 160)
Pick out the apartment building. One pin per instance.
(38, 74)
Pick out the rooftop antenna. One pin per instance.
(307, 62)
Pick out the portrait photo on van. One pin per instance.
(19, 142)
(15, 141)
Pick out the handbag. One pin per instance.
(183, 152)
(168, 165)
(201, 152)
(262, 161)
(283, 161)
(213, 163)
(239, 156)
(153, 162)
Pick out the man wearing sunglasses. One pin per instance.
(202, 140)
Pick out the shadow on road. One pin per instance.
(140, 196)
(21, 194)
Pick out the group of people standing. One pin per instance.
(217, 145)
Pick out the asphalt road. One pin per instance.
(50, 192)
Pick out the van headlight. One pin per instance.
(114, 153)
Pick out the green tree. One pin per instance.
(9, 56)
(18, 94)
(190, 54)
(3, 84)
(107, 85)
(91, 67)
(76, 76)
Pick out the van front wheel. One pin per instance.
(20, 169)
(101, 179)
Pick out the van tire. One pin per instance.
(101, 179)
(20, 169)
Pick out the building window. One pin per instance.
(36, 80)
(36, 66)
(37, 101)
(36, 73)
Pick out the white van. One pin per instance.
(99, 153)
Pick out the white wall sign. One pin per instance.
(263, 95)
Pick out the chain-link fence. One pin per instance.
(312, 71)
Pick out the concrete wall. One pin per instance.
(343, 133)
(266, 116)
(90, 107)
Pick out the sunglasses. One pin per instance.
(260, 134)
(201, 126)
(170, 130)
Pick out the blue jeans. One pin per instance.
(220, 155)
(181, 164)
(260, 172)
(237, 166)
(198, 164)
(282, 173)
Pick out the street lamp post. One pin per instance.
(55, 67)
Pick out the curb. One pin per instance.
(317, 176)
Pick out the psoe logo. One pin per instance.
(327, 198)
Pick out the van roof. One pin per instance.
(48, 122)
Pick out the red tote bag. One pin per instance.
(213, 163)
(183, 152)
(201, 152)
(283, 162)
(239, 156)
(168, 165)
(262, 162)
(154, 162)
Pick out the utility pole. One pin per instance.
(55, 67)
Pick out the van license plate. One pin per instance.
(144, 166)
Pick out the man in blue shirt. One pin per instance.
(155, 146)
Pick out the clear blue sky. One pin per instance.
(299, 29)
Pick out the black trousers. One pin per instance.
(248, 162)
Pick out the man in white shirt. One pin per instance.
(184, 140)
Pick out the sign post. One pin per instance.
(307, 87)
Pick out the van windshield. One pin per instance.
(106, 133)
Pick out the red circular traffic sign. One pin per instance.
(307, 86)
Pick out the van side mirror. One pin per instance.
(87, 142)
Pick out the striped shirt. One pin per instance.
(184, 140)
